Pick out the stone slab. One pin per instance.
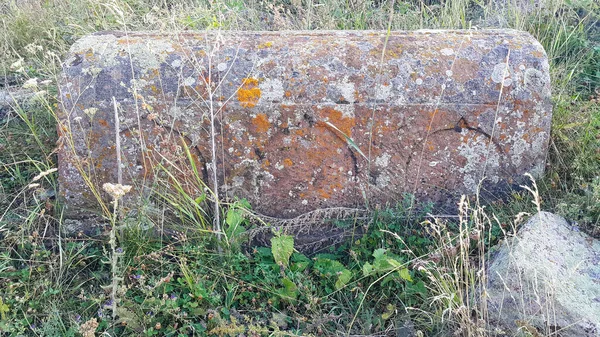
(305, 120)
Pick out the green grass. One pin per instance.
(405, 268)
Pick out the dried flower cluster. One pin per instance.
(88, 329)
(116, 191)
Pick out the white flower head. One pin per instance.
(116, 191)
(17, 65)
(90, 112)
(30, 83)
(39, 95)
(33, 48)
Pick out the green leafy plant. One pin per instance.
(383, 263)
(334, 271)
(282, 247)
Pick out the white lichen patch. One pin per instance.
(189, 81)
(176, 112)
(482, 161)
(539, 143)
(518, 148)
(103, 47)
(447, 51)
(501, 74)
(383, 160)
(383, 92)
(237, 181)
(534, 79)
(222, 66)
(519, 144)
(347, 110)
(419, 81)
(537, 171)
(449, 73)
(138, 84)
(347, 89)
(176, 63)
(271, 90)
(152, 53)
(383, 180)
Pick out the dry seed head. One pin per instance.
(45, 173)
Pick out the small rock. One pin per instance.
(546, 278)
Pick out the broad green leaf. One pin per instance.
(343, 279)
(393, 262)
(234, 217)
(367, 269)
(405, 274)
(333, 269)
(234, 222)
(4, 309)
(328, 267)
(282, 248)
(379, 253)
(289, 288)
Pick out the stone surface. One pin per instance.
(14, 97)
(547, 278)
(306, 120)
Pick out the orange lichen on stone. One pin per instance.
(324, 194)
(287, 162)
(337, 119)
(249, 94)
(261, 122)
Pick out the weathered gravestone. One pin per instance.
(305, 120)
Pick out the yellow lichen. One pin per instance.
(249, 94)
(265, 45)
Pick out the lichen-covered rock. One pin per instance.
(547, 278)
(14, 98)
(305, 120)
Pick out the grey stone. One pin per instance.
(12, 98)
(546, 278)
